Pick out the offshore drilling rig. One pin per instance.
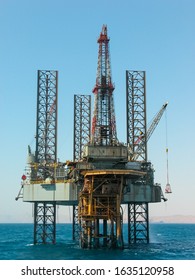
(104, 174)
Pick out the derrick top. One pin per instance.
(103, 35)
(103, 77)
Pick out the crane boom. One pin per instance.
(151, 129)
(156, 121)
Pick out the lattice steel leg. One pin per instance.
(76, 227)
(44, 223)
(138, 223)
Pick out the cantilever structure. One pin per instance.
(104, 174)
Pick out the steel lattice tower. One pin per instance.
(103, 122)
(46, 134)
(46, 152)
(136, 113)
(82, 130)
(44, 223)
(138, 221)
(82, 124)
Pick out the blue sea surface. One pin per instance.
(167, 242)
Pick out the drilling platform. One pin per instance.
(106, 177)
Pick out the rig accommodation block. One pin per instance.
(104, 175)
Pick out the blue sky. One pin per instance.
(154, 35)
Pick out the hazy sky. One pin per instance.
(154, 35)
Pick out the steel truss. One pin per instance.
(76, 224)
(44, 223)
(138, 223)
(100, 212)
(103, 122)
(82, 124)
(82, 131)
(46, 153)
(46, 129)
(136, 113)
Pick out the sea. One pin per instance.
(167, 242)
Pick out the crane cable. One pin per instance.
(168, 186)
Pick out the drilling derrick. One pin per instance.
(103, 123)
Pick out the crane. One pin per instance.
(151, 129)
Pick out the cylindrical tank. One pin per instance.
(30, 158)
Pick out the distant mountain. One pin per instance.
(183, 219)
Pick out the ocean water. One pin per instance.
(167, 242)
